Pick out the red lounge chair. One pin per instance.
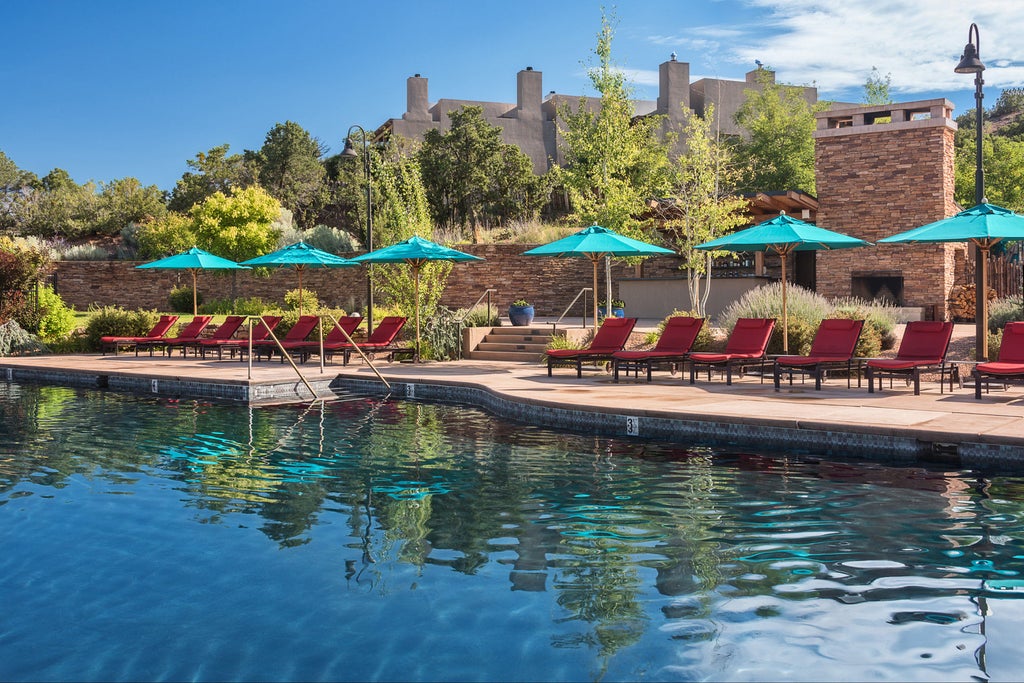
(339, 334)
(1010, 365)
(832, 348)
(189, 334)
(923, 347)
(159, 330)
(381, 339)
(611, 337)
(673, 347)
(225, 330)
(746, 346)
(259, 333)
(303, 327)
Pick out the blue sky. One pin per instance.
(115, 88)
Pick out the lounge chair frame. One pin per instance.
(734, 360)
(679, 328)
(602, 348)
(832, 349)
(913, 373)
(1002, 371)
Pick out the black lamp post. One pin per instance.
(350, 152)
(970, 63)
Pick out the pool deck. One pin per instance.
(952, 428)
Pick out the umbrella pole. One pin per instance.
(981, 305)
(416, 281)
(300, 289)
(594, 259)
(195, 299)
(785, 314)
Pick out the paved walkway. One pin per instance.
(834, 418)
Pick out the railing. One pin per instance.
(458, 320)
(286, 355)
(583, 293)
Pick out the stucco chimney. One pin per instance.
(416, 103)
(674, 87)
(529, 94)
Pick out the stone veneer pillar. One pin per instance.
(882, 170)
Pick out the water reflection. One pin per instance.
(731, 556)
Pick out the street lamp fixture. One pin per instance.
(970, 63)
(350, 153)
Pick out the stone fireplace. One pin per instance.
(884, 287)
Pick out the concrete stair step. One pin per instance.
(522, 331)
(487, 345)
(509, 356)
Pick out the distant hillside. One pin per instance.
(1004, 119)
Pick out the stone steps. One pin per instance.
(515, 344)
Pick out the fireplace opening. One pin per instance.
(882, 287)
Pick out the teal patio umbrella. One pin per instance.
(193, 261)
(985, 225)
(300, 256)
(596, 243)
(415, 251)
(783, 235)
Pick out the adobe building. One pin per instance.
(882, 170)
(530, 123)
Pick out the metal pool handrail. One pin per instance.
(583, 293)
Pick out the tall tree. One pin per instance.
(125, 201)
(614, 163)
(702, 205)
(288, 166)
(877, 89)
(777, 150)
(212, 171)
(472, 178)
(57, 206)
(237, 226)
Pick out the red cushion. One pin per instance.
(1001, 368)
(1011, 349)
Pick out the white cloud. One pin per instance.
(834, 45)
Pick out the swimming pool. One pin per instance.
(148, 539)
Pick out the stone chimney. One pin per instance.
(673, 87)
(416, 99)
(884, 169)
(529, 94)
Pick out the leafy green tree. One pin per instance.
(777, 150)
(402, 210)
(288, 166)
(472, 178)
(237, 226)
(614, 163)
(1003, 160)
(14, 183)
(21, 267)
(57, 206)
(172, 233)
(125, 201)
(701, 204)
(877, 88)
(212, 171)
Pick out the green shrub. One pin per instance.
(881, 317)
(995, 339)
(439, 336)
(766, 302)
(180, 299)
(310, 300)
(116, 321)
(84, 252)
(57, 321)
(14, 341)
(562, 341)
(800, 333)
(1002, 311)
(331, 240)
(477, 316)
(704, 338)
(246, 306)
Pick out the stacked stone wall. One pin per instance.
(548, 283)
(877, 180)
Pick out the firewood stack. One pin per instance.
(961, 302)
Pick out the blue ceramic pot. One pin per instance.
(520, 315)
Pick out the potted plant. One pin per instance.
(618, 308)
(520, 312)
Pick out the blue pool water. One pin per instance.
(146, 539)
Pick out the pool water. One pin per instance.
(371, 539)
